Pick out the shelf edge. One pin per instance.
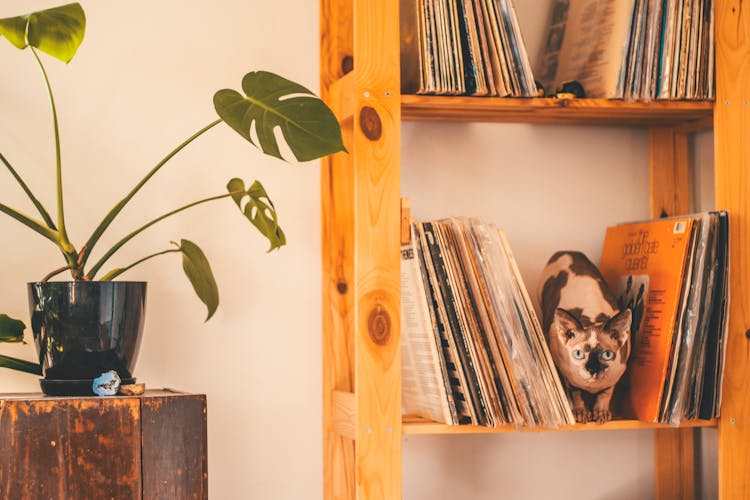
(414, 426)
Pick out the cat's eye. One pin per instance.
(578, 354)
(608, 355)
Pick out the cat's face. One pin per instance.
(591, 357)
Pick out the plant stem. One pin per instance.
(116, 272)
(54, 273)
(65, 244)
(20, 365)
(119, 244)
(34, 224)
(42, 211)
(104, 224)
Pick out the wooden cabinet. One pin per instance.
(361, 219)
(130, 447)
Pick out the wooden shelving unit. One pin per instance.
(361, 215)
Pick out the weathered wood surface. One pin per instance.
(92, 448)
(174, 447)
(70, 448)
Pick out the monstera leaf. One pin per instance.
(198, 271)
(309, 127)
(11, 330)
(58, 31)
(259, 210)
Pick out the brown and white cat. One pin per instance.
(589, 338)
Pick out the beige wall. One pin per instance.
(140, 85)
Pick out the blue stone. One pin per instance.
(107, 383)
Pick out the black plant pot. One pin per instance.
(85, 328)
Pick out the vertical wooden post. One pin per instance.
(361, 218)
(674, 451)
(669, 172)
(674, 464)
(337, 229)
(732, 180)
(377, 302)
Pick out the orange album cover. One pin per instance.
(644, 265)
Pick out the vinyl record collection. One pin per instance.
(616, 49)
(673, 274)
(464, 47)
(632, 49)
(473, 350)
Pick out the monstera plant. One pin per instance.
(267, 102)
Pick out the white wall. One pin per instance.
(140, 84)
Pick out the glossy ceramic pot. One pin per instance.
(85, 328)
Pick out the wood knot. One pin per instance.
(347, 64)
(369, 122)
(379, 325)
(747, 333)
(341, 287)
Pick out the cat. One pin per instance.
(588, 336)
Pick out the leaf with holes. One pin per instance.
(309, 127)
(258, 209)
(58, 31)
(198, 271)
(11, 330)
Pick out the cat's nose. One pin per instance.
(594, 367)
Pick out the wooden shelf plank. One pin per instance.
(417, 425)
(556, 111)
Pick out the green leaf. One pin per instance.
(11, 330)
(20, 365)
(309, 126)
(57, 31)
(14, 29)
(198, 271)
(259, 210)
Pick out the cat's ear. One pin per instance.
(566, 325)
(618, 327)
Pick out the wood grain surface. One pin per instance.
(732, 183)
(123, 447)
